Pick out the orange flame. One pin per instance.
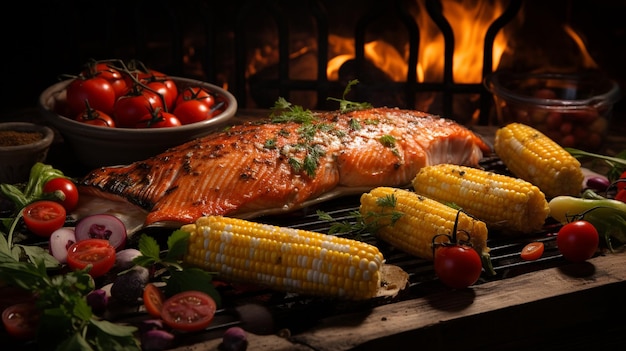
(469, 21)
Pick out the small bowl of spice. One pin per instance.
(22, 144)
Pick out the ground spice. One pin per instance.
(15, 138)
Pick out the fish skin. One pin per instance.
(236, 172)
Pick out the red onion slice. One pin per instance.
(102, 226)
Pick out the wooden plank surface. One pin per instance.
(520, 312)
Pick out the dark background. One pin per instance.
(40, 42)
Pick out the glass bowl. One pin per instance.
(572, 109)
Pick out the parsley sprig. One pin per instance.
(67, 322)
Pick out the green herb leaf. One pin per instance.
(149, 247)
(346, 105)
(177, 244)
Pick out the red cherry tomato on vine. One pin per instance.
(132, 107)
(21, 320)
(44, 217)
(111, 74)
(578, 241)
(95, 118)
(169, 95)
(196, 93)
(532, 251)
(158, 119)
(98, 91)
(192, 111)
(67, 187)
(188, 311)
(99, 253)
(457, 266)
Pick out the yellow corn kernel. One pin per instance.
(285, 259)
(409, 221)
(511, 204)
(534, 157)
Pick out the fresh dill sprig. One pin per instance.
(346, 105)
(357, 223)
(284, 111)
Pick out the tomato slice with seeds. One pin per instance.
(188, 311)
(532, 251)
(153, 300)
(99, 253)
(44, 217)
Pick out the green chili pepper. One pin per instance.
(607, 215)
(40, 174)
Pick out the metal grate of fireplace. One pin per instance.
(408, 88)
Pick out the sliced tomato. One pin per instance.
(44, 217)
(532, 251)
(153, 300)
(97, 253)
(21, 320)
(188, 311)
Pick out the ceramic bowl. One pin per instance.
(573, 109)
(22, 144)
(96, 146)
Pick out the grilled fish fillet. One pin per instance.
(266, 167)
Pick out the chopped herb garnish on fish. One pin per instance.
(388, 140)
(283, 112)
(270, 143)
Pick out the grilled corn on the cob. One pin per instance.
(501, 201)
(285, 259)
(532, 156)
(409, 221)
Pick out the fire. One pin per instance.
(469, 21)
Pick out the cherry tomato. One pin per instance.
(67, 187)
(111, 74)
(457, 266)
(532, 251)
(196, 93)
(98, 253)
(169, 95)
(96, 118)
(192, 111)
(153, 300)
(621, 195)
(21, 320)
(188, 311)
(158, 119)
(44, 217)
(578, 241)
(97, 91)
(130, 108)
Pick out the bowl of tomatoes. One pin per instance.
(114, 116)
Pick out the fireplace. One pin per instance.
(430, 55)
